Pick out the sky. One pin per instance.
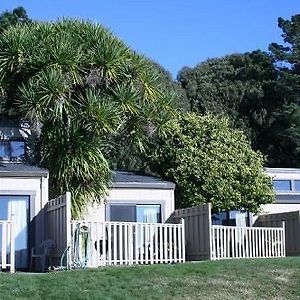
(176, 33)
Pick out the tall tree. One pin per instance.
(84, 92)
(240, 86)
(283, 138)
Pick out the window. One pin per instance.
(12, 150)
(297, 185)
(148, 213)
(122, 213)
(231, 218)
(282, 185)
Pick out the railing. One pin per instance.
(247, 242)
(7, 246)
(118, 243)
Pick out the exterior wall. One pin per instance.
(164, 197)
(279, 208)
(37, 189)
(285, 201)
(283, 173)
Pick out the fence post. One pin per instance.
(283, 239)
(210, 239)
(68, 224)
(12, 247)
(183, 239)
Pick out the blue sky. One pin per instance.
(176, 33)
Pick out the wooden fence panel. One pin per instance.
(292, 228)
(197, 230)
(7, 246)
(58, 225)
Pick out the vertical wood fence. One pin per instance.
(58, 224)
(126, 243)
(7, 246)
(246, 242)
(197, 230)
(292, 228)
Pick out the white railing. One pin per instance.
(7, 246)
(118, 243)
(247, 242)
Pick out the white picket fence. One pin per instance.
(7, 246)
(118, 243)
(247, 242)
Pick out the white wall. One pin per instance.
(37, 189)
(163, 197)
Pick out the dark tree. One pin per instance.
(12, 18)
(242, 87)
(283, 138)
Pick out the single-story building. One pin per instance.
(134, 197)
(23, 196)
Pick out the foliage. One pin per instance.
(240, 86)
(282, 141)
(87, 95)
(226, 279)
(12, 18)
(210, 162)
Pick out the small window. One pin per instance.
(12, 150)
(282, 185)
(148, 213)
(297, 185)
(122, 213)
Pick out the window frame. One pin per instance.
(20, 158)
(135, 204)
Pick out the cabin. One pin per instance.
(134, 197)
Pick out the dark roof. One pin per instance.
(122, 179)
(21, 170)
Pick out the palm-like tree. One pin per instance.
(86, 94)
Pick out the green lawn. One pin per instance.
(232, 279)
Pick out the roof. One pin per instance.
(122, 179)
(282, 170)
(21, 170)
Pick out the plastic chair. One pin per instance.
(42, 253)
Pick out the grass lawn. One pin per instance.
(231, 279)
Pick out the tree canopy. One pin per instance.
(283, 138)
(239, 86)
(12, 18)
(211, 162)
(95, 105)
(85, 94)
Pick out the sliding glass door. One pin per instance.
(17, 208)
